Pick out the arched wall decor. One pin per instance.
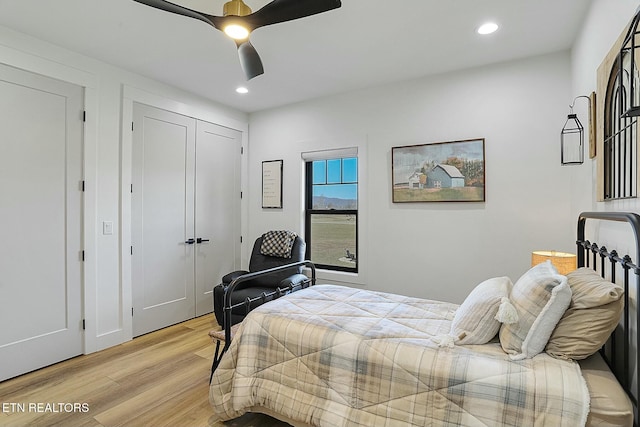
(617, 130)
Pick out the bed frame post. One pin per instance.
(584, 247)
(632, 218)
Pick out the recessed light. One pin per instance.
(488, 28)
(242, 89)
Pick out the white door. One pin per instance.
(162, 219)
(185, 215)
(40, 231)
(217, 209)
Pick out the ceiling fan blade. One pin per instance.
(273, 13)
(174, 8)
(249, 60)
(287, 10)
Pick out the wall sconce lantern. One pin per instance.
(572, 137)
(572, 142)
(628, 72)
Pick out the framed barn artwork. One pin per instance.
(439, 172)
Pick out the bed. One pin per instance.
(337, 356)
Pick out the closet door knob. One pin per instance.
(199, 240)
(190, 242)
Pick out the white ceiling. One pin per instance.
(364, 43)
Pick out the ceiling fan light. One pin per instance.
(488, 28)
(236, 32)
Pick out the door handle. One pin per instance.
(199, 240)
(190, 242)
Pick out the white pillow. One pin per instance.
(475, 320)
(540, 298)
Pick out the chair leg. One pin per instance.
(216, 360)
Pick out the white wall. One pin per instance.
(518, 107)
(603, 25)
(108, 96)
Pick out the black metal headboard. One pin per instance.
(623, 360)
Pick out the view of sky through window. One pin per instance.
(336, 178)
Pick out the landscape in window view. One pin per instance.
(333, 234)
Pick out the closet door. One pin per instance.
(217, 209)
(163, 250)
(40, 231)
(185, 215)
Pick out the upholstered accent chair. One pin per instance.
(263, 256)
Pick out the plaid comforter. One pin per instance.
(336, 356)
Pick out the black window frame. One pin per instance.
(309, 212)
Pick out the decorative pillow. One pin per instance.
(595, 310)
(475, 320)
(278, 243)
(540, 297)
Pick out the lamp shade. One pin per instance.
(562, 261)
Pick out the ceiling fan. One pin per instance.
(238, 22)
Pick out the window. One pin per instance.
(331, 213)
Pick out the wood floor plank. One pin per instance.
(74, 390)
(186, 408)
(171, 385)
(156, 380)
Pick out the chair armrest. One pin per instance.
(230, 277)
(293, 280)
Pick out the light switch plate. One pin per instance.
(107, 227)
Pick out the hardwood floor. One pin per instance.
(159, 379)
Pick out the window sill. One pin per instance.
(339, 277)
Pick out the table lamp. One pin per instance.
(562, 261)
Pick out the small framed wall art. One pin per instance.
(272, 184)
(439, 172)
